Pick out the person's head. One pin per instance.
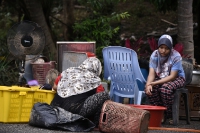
(165, 45)
(92, 64)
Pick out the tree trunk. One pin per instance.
(185, 26)
(36, 13)
(68, 19)
(198, 21)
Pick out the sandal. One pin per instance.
(170, 121)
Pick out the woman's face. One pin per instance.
(163, 50)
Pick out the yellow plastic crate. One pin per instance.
(15, 103)
(43, 96)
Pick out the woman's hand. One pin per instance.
(152, 83)
(54, 87)
(148, 89)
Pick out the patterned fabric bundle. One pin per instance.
(78, 80)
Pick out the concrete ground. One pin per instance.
(181, 128)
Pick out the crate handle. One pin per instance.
(22, 93)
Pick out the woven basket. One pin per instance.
(121, 118)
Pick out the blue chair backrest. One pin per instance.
(121, 65)
(145, 73)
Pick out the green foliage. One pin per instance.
(98, 29)
(104, 7)
(8, 70)
(165, 5)
(9, 73)
(98, 26)
(5, 24)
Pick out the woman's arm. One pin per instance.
(54, 87)
(56, 83)
(150, 79)
(151, 76)
(171, 77)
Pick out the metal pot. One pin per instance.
(195, 78)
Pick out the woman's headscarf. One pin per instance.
(162, 65)
(77, 80)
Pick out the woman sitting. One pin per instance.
(77, 87)
(166, 74)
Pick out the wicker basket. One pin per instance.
(121, 118)
(40, 70)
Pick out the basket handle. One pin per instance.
(104, 118)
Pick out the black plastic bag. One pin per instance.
(47, 116)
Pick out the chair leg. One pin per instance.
(131, 100)
(138, 98)
(186, 102)
(175, 108)
(118, 99)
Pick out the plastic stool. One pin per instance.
(175, 106)
(188, 68)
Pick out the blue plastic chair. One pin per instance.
(121, 67)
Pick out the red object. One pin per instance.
(156, 113)
(179, 47)
(100, 88)
(128, 43)
(90, 54)
(153, 44)
(57, 79)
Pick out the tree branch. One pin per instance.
(169, 22)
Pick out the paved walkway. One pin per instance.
(25, 128)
